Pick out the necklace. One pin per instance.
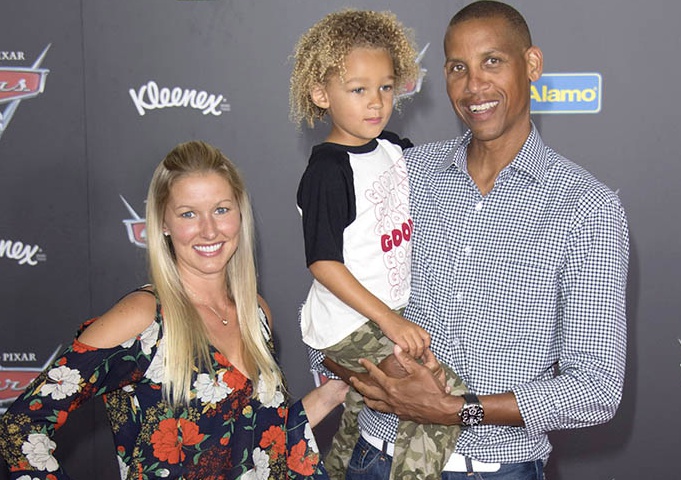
(224, 321)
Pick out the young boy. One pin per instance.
(354, 200)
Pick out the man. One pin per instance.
(519, 273)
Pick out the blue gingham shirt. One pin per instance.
(522, 290)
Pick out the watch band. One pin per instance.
(470, 397)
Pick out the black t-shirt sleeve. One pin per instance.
(326, 196)
(397, 140)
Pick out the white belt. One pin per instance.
(456, 463)
(382, 445)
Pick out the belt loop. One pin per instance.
(384, 448)
(469, 467)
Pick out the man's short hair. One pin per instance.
(493, 9)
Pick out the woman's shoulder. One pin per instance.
(129, 317)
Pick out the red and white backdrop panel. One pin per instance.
(93, 94)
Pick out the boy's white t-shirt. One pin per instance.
(376, 240)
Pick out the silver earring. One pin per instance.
(167, 234)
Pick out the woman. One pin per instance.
(185, 365)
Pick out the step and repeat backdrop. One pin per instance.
(94, 93)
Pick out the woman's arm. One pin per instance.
(81, 371)
(323, 399)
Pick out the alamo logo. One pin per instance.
(567, 93)
(19, 83)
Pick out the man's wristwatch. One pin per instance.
(471, 413)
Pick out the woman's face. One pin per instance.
(204, 222)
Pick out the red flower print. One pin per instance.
(299, 463)
(21, 465)
(234, 379)
(221, 359)
(35, 405)
(171, 436)
(61, 419)
(274, 437)
(51, 477)
(86, 392)
(80, 347)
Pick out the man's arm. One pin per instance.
(588, 387)
(419, 396)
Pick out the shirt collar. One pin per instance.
(532, 157)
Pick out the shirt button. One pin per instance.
(459, 297)
(478, 206)
(456, 342)
(467, 250)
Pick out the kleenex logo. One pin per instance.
(567, 93)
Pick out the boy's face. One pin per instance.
(361, 103)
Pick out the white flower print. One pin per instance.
(155, 370)
(263, 323)
(211, 389)
(267, 398)
(123, 468)
(27, 477)
(38, 450)
(261, 470)
(309, 436)
(65, 382)
(163, 472)
(147, 338)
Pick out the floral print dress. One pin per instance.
(224, 433)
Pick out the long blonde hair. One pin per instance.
(185, 337)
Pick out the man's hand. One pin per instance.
(418, 396)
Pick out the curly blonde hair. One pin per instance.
(322, 50)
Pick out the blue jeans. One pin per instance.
(369, 463)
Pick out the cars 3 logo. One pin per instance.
(17, 84)
(136, 226)
(14, 380)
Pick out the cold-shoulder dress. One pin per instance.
(225, 432)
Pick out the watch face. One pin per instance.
(472, 414)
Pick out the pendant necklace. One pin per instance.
(224, 321)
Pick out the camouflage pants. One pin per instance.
(420, 450)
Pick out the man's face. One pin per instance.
(488, 72)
